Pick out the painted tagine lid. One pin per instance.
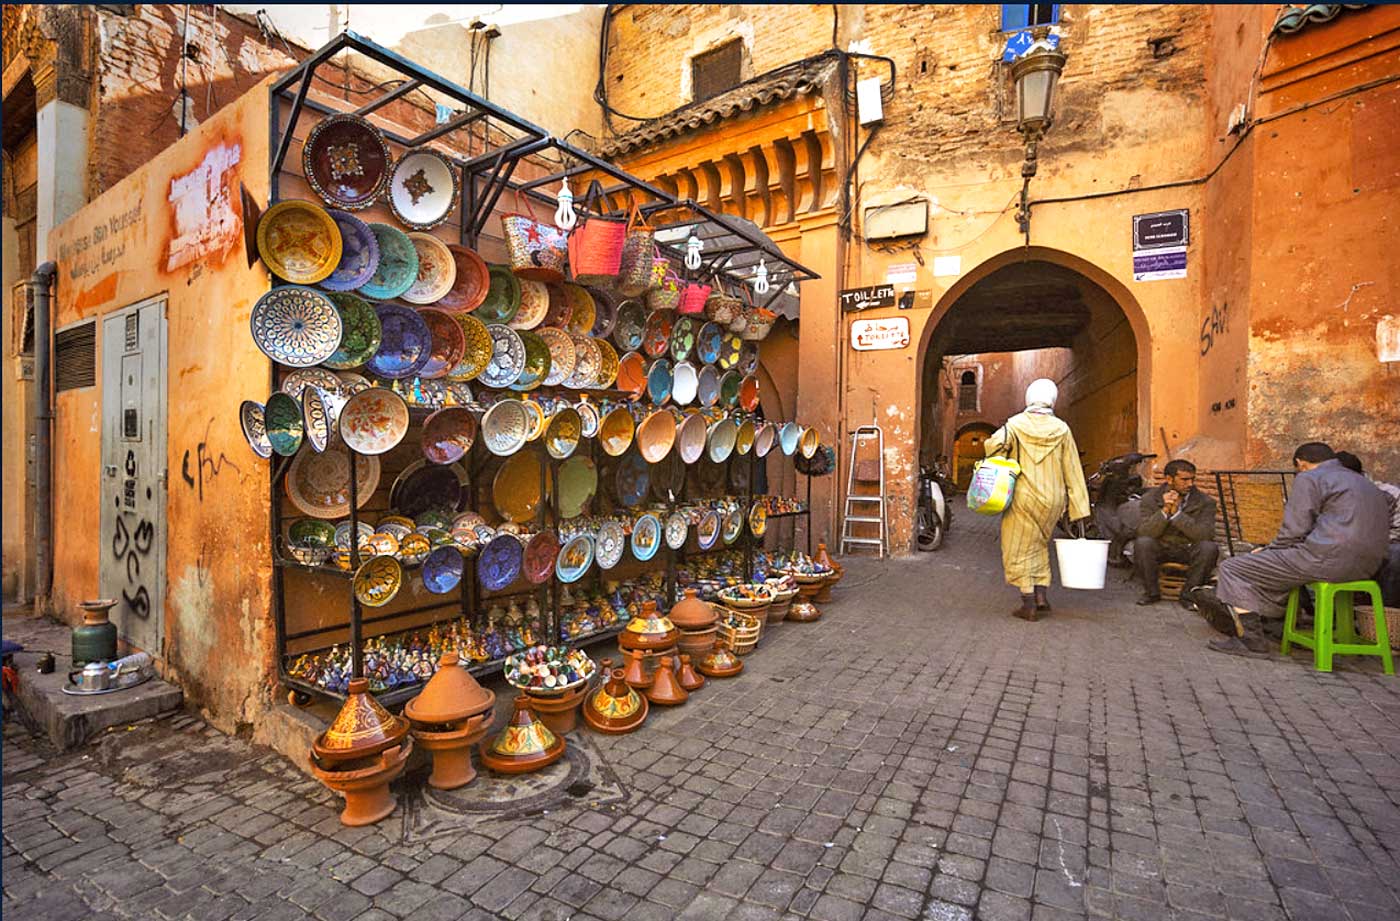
(450, 695)
(720, 662)
(649, 631)
(690, 613)
(525, 744)
(362, 727)
(615, 707)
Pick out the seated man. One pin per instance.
(1389, 575)
(1334, 530)
(1177, 525)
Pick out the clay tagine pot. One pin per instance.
(364, 782)
(451, 748)
(635, 674)
(666, 689)
(720, 662)
(689, 679)
(559, 711)
(690, 613)
(525, 744)
(650, 630)
(615, 708)
(361, 728)
(450, 715)
(803, 611)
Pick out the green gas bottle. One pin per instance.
(95, 639)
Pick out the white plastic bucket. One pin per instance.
(1083, 563)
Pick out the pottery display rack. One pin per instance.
(497, 143)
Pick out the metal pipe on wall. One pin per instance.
(40, 285)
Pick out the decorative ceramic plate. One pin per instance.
(359, 254)
(398, 264)
(377, 581)
(560, 307)
(507, 357)
(319, 484)
(536, 362)
(285, 427)
(515, 491)
(608, 368)
(574, 559)
(684, 334)
(299, 241)
(342, 535)
(656, 337)
(578, 481)
(632, 480)
(606, 315)
(476, 355)
(448, 434)
(743, 440)
(534, 304)
(295, 326)
(422, 188)
(583, 312)
(707, 390)
(630, 326)
(396, 525)
(433, 517)
(442, 570)
(588, 361)
(729, 352)
(504, 427)
(723, 435)
(540, 554)
(316, 419)
(632, 374)
(251, 418)
(691, 437)
(708, 343)
(748, 393)
(646, 537)
(659, 381)
(360, 332)
(352, 383)
(562, 433)
(588, 413)
(502, 297)
(429, 493)
(472, 283)
(296, 382)
(535, 425)
(729, 388)
(499, 562)
(405, 343)
(346, 161)
(733, 524)
(562, 354)
(437, 270)
(685, 383)
(312, 532)
(748, 357)
(789, 436)
(676, 530)
(616, 431)
(758, 520)
(707, 532)
(382, 544)
(668, 478)
(374, 421)
(609, 545)
(449, 343)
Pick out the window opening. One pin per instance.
(1024, 15)
(717, 71)
(967, 392)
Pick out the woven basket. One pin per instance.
(1366, 624)
(741, 640)
(667, 296)
(740, 323)
(759, 324)
(595, 250)
(693, 298)
(722, 308)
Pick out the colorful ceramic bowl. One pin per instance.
(707, 531)
(448, 435)
(748, 357)
(316, 418)
(765, 436)
(615, 432)
(609, 545)
(729, 388)
(809, 443)
(744, 439)
(442, 570)
(632, 374)
(691, 438)
(685, 383)
(789, 436)
(733, 524)
(656, 335)
(708, 342)
(606, 314)
(607, 367)
(646, 537)
(251, 418)
(578, 481)
(377, 581)
(504, 427)
(507, 357)
(285, 426)
(534, 304)
(588, 361)
(405, 344)
(502, 297)
(295, 326)
(535, 412)
(659, 381)
(748, 393)
(499, 563)
(299, 241)
(360, 332)
(630, 327)
(656, 436)
(515, 491)
(319, 484)
(346, 161)
(312, 532)
(398, 264)
(540, 554)
(574, 559)
(472, 282)
(422, 188)
(562, 434)
(632, 480)
(562, 354)
(437, 270)
(294, 384)
(449, 343)
(477, 352)
(536, 367)
(723, 435)
(589, 414)
(758, 520)
(729, 352)
(374, 421)
(429, 494)
(707, 389)
(677, 528)
(583, 312)
(560, 308)
(684, 335)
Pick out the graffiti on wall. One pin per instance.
(132, 546)
(1215, 325)
(206, 210)
(206, 466)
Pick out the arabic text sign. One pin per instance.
(872, 335)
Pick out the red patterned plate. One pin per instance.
(540, 554)
(472, 282)
(449, 343)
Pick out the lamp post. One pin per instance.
(1037, 72)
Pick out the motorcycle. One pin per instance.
(1111, 486)
(935, 512)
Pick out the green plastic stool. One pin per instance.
(1328, 639)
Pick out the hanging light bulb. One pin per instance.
(760, 277)
(564, 216)
(692, 252)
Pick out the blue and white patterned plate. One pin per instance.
(295, 326)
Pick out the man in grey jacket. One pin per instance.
(1177, 525)
(1334, 529)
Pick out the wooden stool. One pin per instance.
(1171, 579)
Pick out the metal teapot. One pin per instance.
(92, 677)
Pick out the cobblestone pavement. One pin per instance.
(916, 754)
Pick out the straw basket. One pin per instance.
(741, 639)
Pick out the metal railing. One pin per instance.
(1250, 504)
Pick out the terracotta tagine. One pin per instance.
(364, 782)
(361, 728)
(720, 662)
(450, 715)
(803, 611)
(559, 711)
(615, 708)
(635, 674)
(696, 620)
(650, 630)
(525, 744)
(666, 689)
(689, 679)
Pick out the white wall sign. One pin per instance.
(872, 335)
(947, 266)
(902, 273)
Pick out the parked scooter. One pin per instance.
(935, 512)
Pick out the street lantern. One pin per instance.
(1037, 72)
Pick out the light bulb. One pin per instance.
(564, 216)
(692, 252)
(760, 277)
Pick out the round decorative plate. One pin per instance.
(578, 481)
(448, 435)
(729, 351)
(583, 312)
(472, 282)
(616, 430)
(709, 342)
(449, 343)
(535, 426)
(646, 537)
(560, 309)
(502, 297)
(360, 332)
(342, 535)
(788, 437)
(515, 491)
(346, 161)
(352, 383)
(422, 188)
(562, 354)
(398, 264)
(562, 433)
(299, 241)
(442, 570)
(405, 343)
(691, 438)
(630, 326)
(319, 484)
(296, 326)
(609, 545)
(282, 417)
(540, 554)
(668, 477)
(428, 493)
(504, 427)
(377, 581)
(708, 388)
(589, 414)
(684, 334)
(633, 479)
(359, 254)
(397, 525)
(574, 559)
(743, 440)
(729, 388)
(312, 532)
(656, 337)
(437, 270)
(536, 362)
(296, 382)
(656, 435)
(723, 435)
(251, 418)
(632, 374)
(499, 562)
(605, 314)
(414, 549)
(676, 530)
(758, 520)
(607, 370)
(748, 357)
(733, 524)
(588, 361)
(707, 531)
(685, 383)
(478, 350)
(534, 304)
(315, 418)
(374, 421)
(507, 357)
(659, 381)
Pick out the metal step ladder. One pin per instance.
(865, 509)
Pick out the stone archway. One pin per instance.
(967, 449)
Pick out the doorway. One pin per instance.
(968, 450)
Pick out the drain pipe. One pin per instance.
(40, 286)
